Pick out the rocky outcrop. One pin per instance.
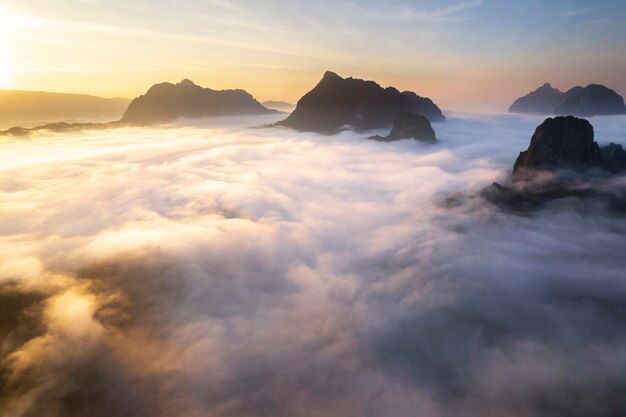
(556, 166)
(336, 103)
(166, 101)
(527, 196)
(425, 107)
(409, 126)
(592, 100)
(568, 142)
(613, 157)
(562, 141)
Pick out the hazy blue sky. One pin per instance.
(463, 53)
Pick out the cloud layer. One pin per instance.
(226, 271)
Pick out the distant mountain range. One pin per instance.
(278, 105)
(31, 108)
(161, 103)
(166, 101)
(592, 100)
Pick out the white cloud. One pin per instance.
(216, 269)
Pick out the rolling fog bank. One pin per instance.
(220, 270)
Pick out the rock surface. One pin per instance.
(568, 142)
(409, 126)
(579, 101)
(426, 107)
(613, 157)
(336, 103)
(168, 101)
(527, 196)
(562, 141)
(539, 177)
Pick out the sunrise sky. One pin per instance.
(472, 54)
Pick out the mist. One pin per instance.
(209, 268)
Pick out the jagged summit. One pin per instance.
(330, 75)
(336, 102)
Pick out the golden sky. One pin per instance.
(472, 55)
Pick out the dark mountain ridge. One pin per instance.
(592, 100)
(166, 101)
(336, 103)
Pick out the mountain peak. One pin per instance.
(328, 75)
(336, 102)
(186, 83)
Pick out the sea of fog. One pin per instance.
(207, 268)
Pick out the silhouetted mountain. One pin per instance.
(562, 141)
(168, 101)
(425, 107)
(31, 108)
(409, 126)
(568, 142)
(592, 100)
(541, 101)
(335, 103)
(278, 105)
(562, 149)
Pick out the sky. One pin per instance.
(465, 54)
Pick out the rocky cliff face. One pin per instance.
(410, 126)
(592, 100)
(168, 101)
(568, 142)
(555, 167)
(562, 141)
